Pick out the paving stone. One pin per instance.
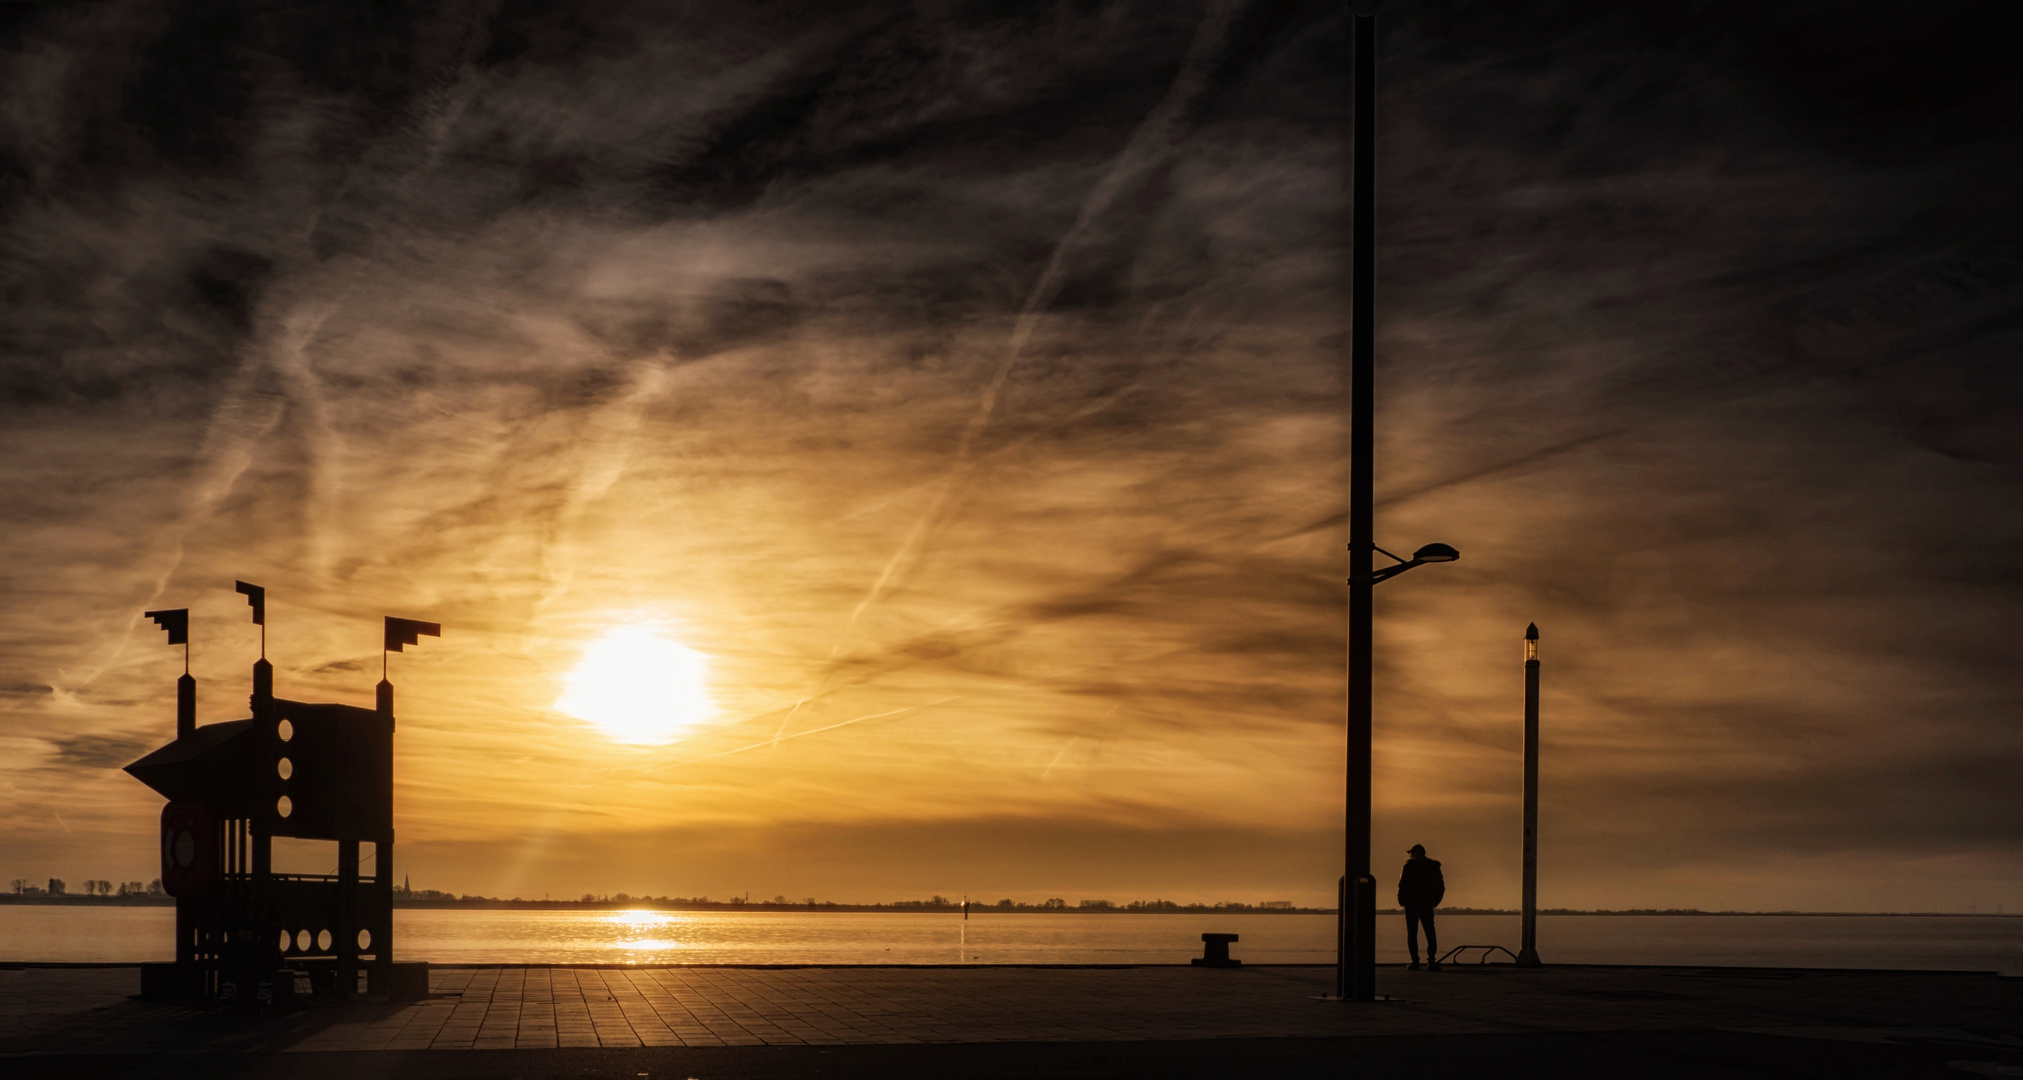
(75, 1009)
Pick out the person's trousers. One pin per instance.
(1414, 919)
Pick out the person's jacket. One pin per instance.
(1421, 885)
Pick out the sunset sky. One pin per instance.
(961, 383)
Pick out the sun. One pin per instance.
(638, 687)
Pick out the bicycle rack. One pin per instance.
(1487, 951)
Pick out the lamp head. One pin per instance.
(1435, 553)
(1531, 643)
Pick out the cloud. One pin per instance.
(93, 751)
(978, 373)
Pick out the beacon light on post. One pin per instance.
(1527, 950)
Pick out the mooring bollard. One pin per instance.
(1215, 950)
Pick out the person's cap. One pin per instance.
(1416, 849)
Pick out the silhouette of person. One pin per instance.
(1420, 890)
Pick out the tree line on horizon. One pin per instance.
(151, 892)
(932, 903)
(94, 887)
(58, 887)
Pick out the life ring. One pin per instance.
(191, 863)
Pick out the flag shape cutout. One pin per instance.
(401, 632)
(256, 596)
(176, 622)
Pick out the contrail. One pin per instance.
(243, 417)
(1094, 407)
(1152, 139)
(290, 360)
(791, 713)
(611, 436)
(776, 740)
(1150, 142)
(1065, 747)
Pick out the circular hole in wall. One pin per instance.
(184, 847)
(284, 806)
(302, 941)
(286, 731)
(286, 938)
(365, 939)
(322, 941)
(285, 767)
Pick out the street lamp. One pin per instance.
(1431, 553)
(1356, 935)
(1356, 970)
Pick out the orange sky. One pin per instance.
(966, 392)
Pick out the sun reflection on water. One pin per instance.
(646, 931)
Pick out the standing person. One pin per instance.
(1420, 890)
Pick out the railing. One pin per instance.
(1487, 951)
(364, 881)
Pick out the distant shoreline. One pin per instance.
(663, 904)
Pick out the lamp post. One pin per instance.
(1527, 950)
(1356, 937)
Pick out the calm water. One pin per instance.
(1964, 942)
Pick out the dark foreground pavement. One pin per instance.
(723, 1023)
(1659, 1055)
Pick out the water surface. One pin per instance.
(1984, 943)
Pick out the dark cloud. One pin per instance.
(93, 751)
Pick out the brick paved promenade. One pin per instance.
(48, 1015)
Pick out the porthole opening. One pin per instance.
(284, 806)
(286, 938)
(286, 730)
(301, 941)
(184, 847)
(285, 767)
(323, 941)
(364, 940)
